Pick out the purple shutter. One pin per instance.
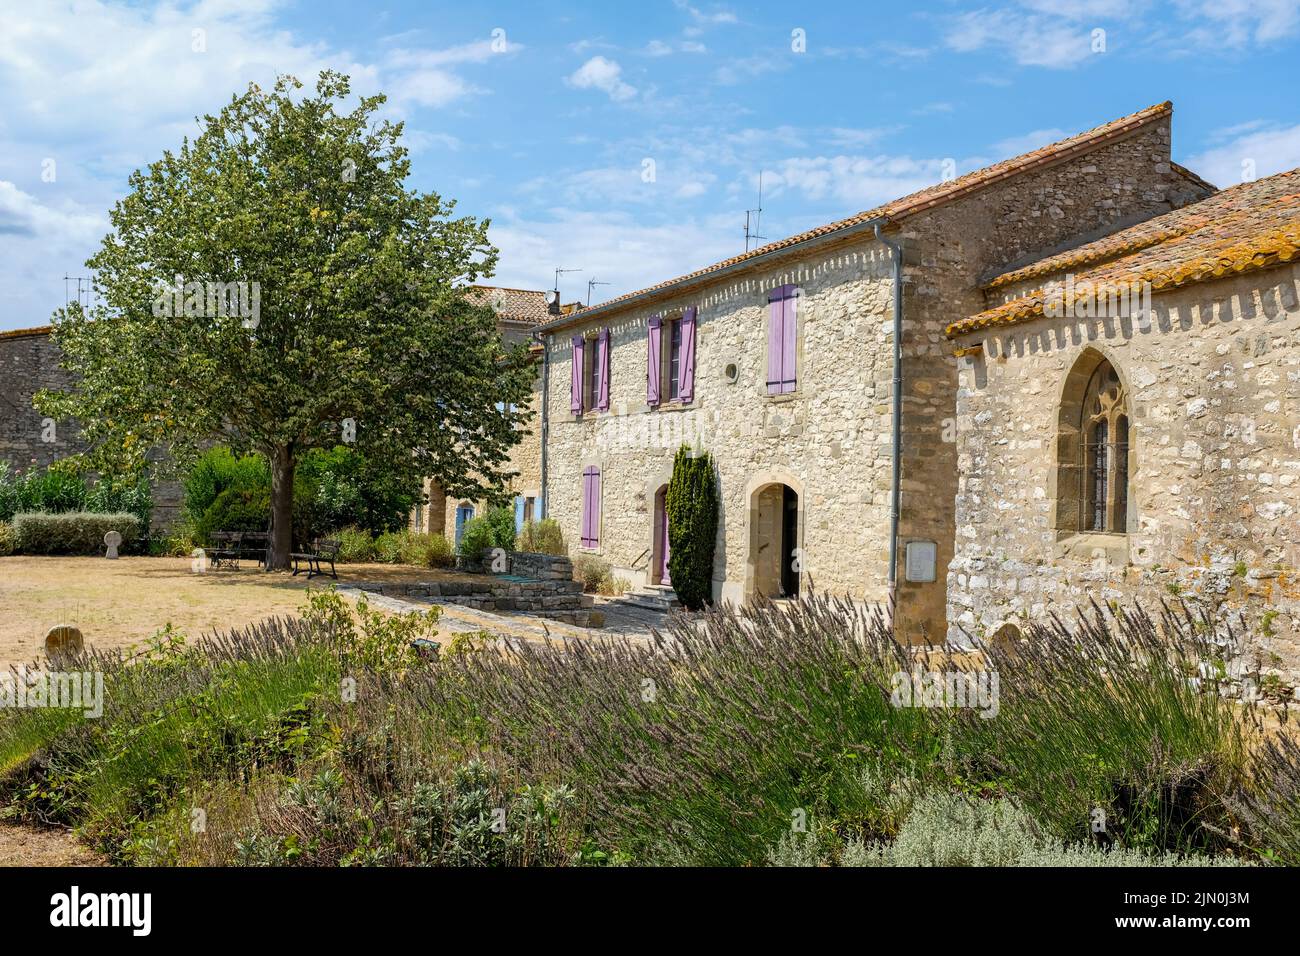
(590, 536)
(654, 333)
(775, 338)
(789, 331)
(602, 357)
(575, 386)
(686, 388)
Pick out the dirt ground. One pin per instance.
(120, 604)
(30, 846)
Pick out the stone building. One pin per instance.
(519, 313)
(1128, 424)
(781, 363)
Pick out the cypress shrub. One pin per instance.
(692, 527)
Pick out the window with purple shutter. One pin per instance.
(575, 383)
(654, 332)
(602, 360)
(590, 535)
(686, 389)
(674, 359)
(782, 337)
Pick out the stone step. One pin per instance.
(653, 597)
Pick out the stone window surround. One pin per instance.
(1071, 540)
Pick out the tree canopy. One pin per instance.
(275, 283)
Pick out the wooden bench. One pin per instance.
(327, 549)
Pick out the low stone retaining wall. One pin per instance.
(541, 585)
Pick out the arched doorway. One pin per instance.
(659, 549)
(774, 541)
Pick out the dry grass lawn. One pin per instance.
(121, 603)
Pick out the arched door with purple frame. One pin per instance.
(661, 549)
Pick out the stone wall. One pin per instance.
(1213, 385)
(828, 440)
(949, 251)
(29, 362)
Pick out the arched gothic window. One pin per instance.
(1104, 496)
(1092, 449)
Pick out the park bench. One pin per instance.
(224, 549)
(326, 549)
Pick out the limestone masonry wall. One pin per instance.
(1213, 386)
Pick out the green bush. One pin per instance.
(355, 546)
(333, 489)
(218, 470)
(426, 550)
(597, 576)
(388, 547)
(692, 527)
(945, 829)
(60, 488)
(74, 532)
(475, 538)
(502, 522)
(542, 537)
(236, 509)
(8, 540)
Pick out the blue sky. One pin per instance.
(626, 138)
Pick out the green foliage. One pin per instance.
(375, 641)
(398, 547)
(61, 488)
(236, 509)
(360, 306)
(74, 532)
(597, 576)
(502, 522)
(218, 470)
(476, 537)
(355, 546)
(945, 829)
(542, 537)
(8, 540)
(692, 505)
(426, 550)
(348, 490)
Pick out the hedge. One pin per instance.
(73, 532)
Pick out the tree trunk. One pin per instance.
(283, 466)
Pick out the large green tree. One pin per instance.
(352, 324)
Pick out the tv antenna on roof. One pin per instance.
(558, 273)
(85, 288)
(590, 283)
(754, 217)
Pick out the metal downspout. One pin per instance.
(546, 421)
(895, 488)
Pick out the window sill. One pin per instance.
(1085, 545)
(778, 397)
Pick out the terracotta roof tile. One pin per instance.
(1248, 227)
(919, 201)
(519, 305)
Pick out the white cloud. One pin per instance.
(1236, 23)
(1030, 39)
(748, 68)
(857, 182)
(613, 246)
(1274, 149)
(598, 73)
